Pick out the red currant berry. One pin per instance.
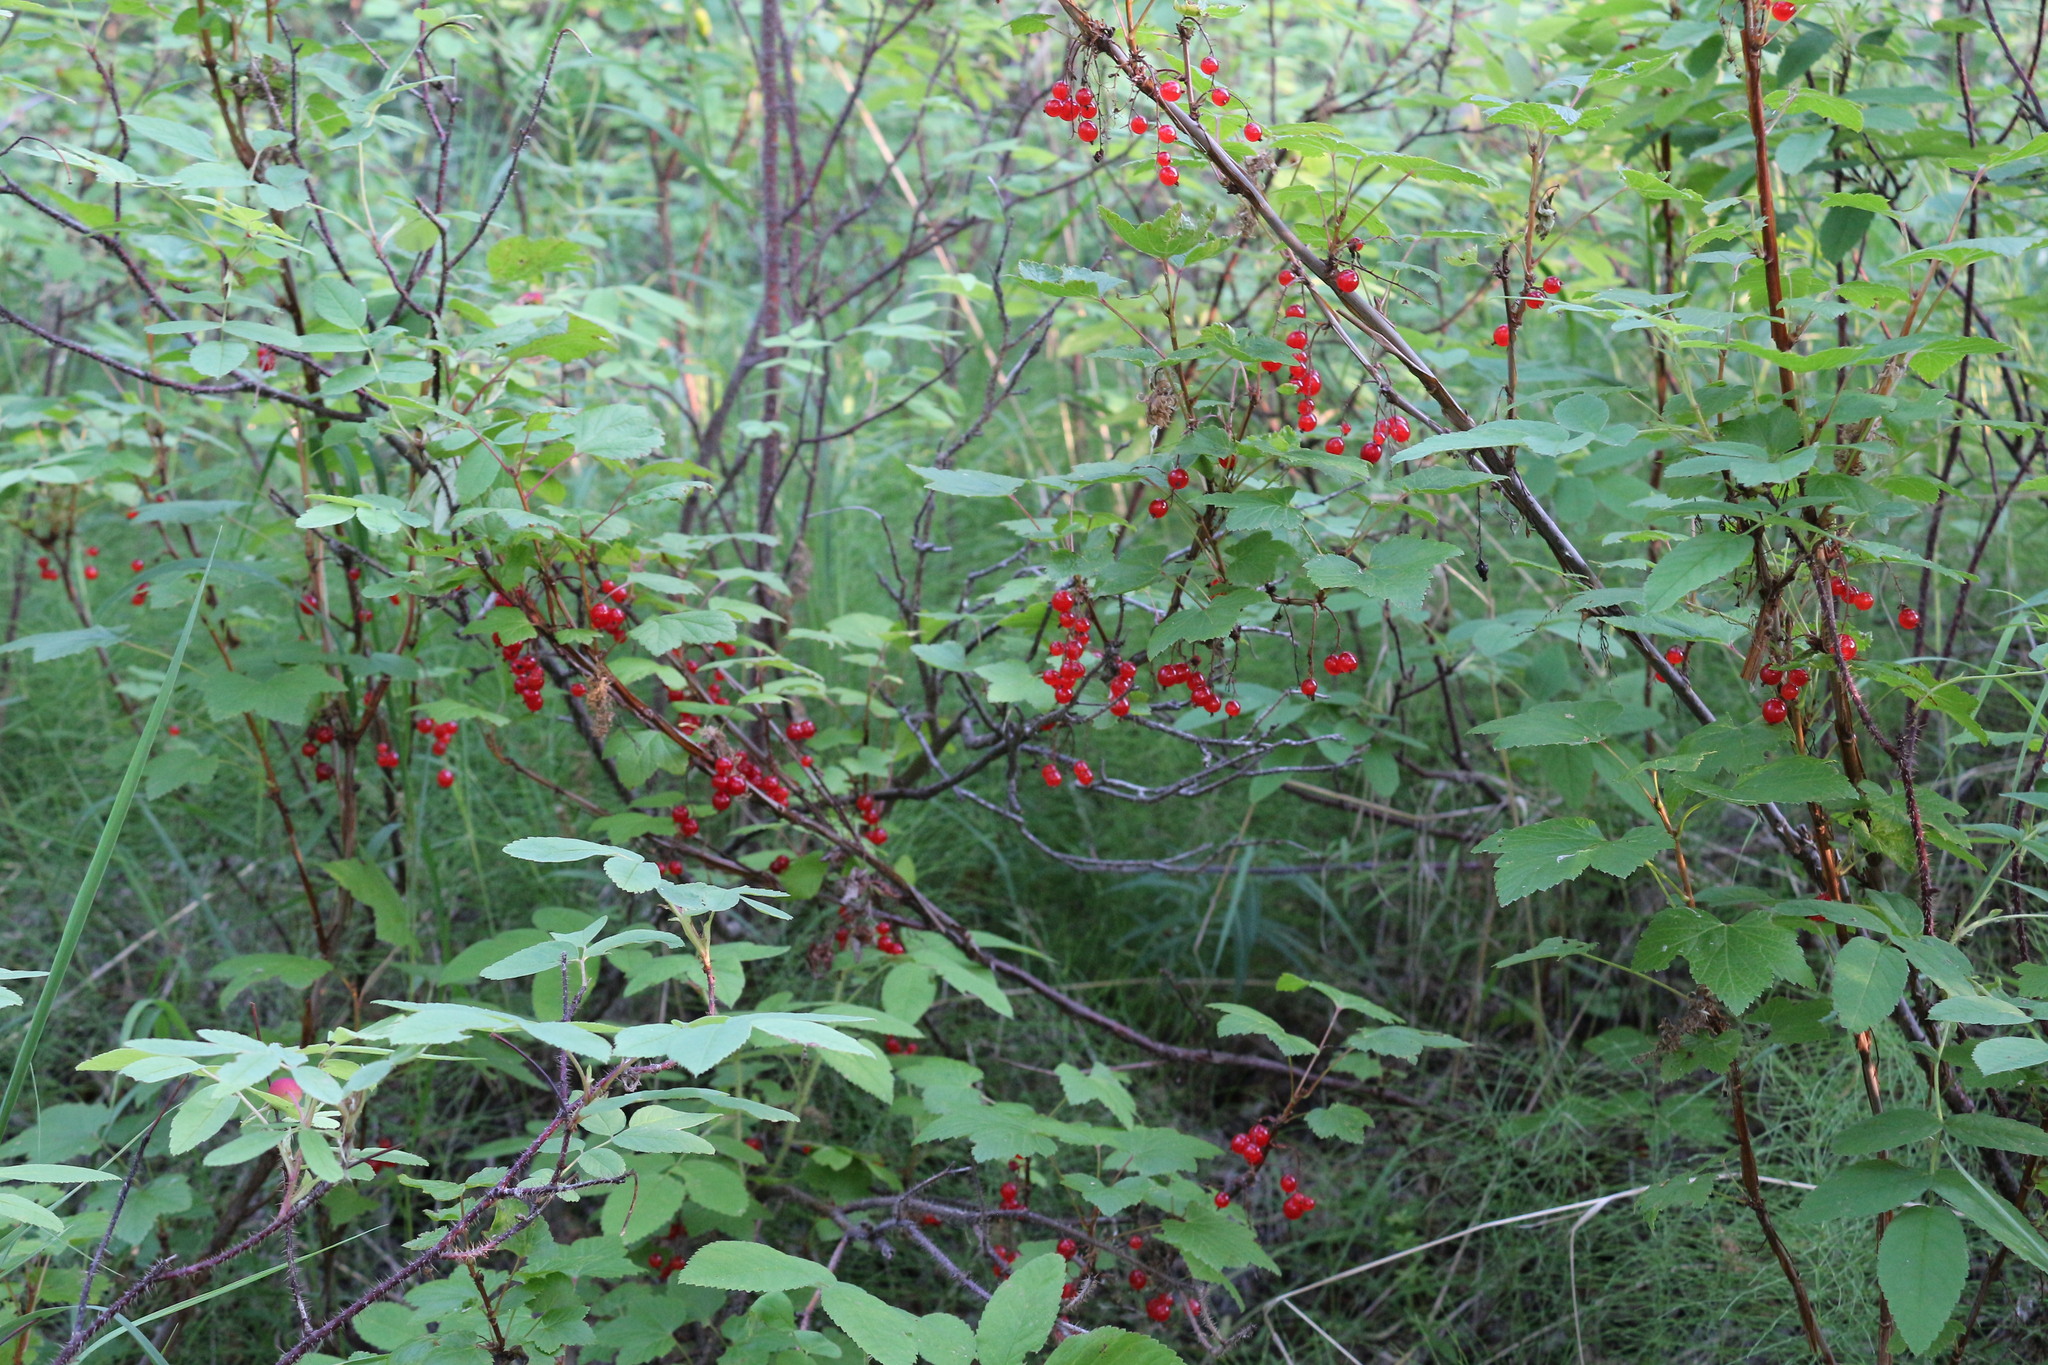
(1908, 619)
(1289, 1183)
(1176, 479)
(1334, 446)
(1159, 508)
(1770, 677)
(1222, 1200)
(1210, 66)
(1138, 124)
(1346, 280)
(1169, 91)
(1847, 646)
(1774, 712)
(1068, 1246)
(1139, 1279)
(1552, 285)
(1501, 335)
(445, 778)
(1297, 340)
(1308, 687)
(1254, 133)
(1169, 177)
(1783, 11)
(1085, 130)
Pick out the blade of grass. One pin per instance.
(102, 854)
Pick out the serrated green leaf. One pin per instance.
(1019, 1315)
(1921, 1265)
(1869, 979)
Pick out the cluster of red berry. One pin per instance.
(871, 816)
(609, 615)
(883, 935)
(387, 757)
(1842, 590)
(1199, 691)
(731, 777)
(318, 738)
(1003, 1257)
(1789, 682)
(1296, 1204)
(800, 730)
(48, 573)
(897, 1047)
(1073, 106)
(1083, 774)
(1010, 1196)
(1252, 1144)
(1387, 431)
(1534, 299)
(527, 678)
(1343, 661)
(1067, 670)
(665, 1266)
(686, 823)
(442, 731)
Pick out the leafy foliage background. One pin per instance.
(380, 338)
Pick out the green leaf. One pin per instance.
(1112, 1346)
(524, 260)
(1921, 1265)
(698, 626)
(2000, 1134)
(882, 1330)
(1996, 1055)
(909, 990)
(62, 644)
(176, 768)
(1692, 564)
(1863, 1190)
(1537, 857)
(24, 1211)
(1544, 438)
(215, 359)
(615, 431)
(1737, 962)
(284, 696)
(201, 1116)
(1398, 1040)
(1869, 979)
(337, 302)
(1243, 1019)
(1793, 779)
(868, 1070)
(1219, 1238)
(180, 135)
(1212, 622)
(1993, 1214)
(1019, 1315)
(46, 1173)
(944, 1340)
(1098, 1085)
(1067, 281)
(752, 1268)
(967, 483)
(367, 883)
(1893, 1128)
(1550, 947)
(1344, 1122)
(240, 973)
(1836, 110)
(1555, 722)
